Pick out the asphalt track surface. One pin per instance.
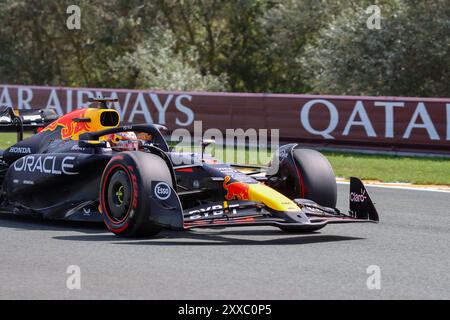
(411, 246)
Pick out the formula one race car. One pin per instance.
(85, 166)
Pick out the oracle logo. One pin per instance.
(46, 164)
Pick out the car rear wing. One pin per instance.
(25, 120)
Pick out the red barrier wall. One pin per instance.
(394, 123)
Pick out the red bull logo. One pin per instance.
(69, 127)
(238, 190)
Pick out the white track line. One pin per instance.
(397, 187)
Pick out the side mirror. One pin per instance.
(92, 144)
(204, 143)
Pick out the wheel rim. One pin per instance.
(119, 195)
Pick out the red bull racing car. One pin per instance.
(85, 166)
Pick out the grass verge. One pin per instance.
(417, 170)
(385, 168)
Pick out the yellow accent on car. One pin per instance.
(273, 199)
(81, 121)
(96, 115)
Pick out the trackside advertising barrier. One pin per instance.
(388, 123)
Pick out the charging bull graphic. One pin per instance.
(69, 127)
(237, 190)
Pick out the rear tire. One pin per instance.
(125, 190)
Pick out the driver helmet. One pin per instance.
(123, 141)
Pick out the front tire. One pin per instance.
(316, 177)
(304, 173)
(124, 191)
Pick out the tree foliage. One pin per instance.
(153, 64)
(409, 55)
(298, 46)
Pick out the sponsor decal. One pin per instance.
(362, 115)
(77, 148)
(162, 191)
(89, 210)
(238, 190)
(215, 210)
(225, 169)
(361, 197)
(399, 121)
(236, 175)
(133, 106)
(21, 150)
(46, 165)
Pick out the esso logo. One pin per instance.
(162, 191)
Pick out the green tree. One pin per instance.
(226, 34)
(321, 46)
(409, 55)
(38, 48)
(155, 65)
